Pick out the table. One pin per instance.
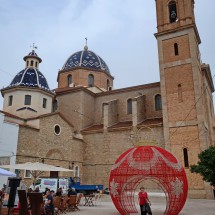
(89, 200)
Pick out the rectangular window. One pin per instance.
(27, 174)
(44, 102)
(10, 101)
(27, 100)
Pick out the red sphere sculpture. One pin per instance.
(147, 162)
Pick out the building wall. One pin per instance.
(102, 150)
(122, 96)
(59, 150)
(80, 78)
(19, 99)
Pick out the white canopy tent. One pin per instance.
(36, 168)
(4, 172)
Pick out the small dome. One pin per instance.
(86, 59)
(30, 77)
(32, 54)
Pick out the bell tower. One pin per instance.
(187, 119)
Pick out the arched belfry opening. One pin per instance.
(173, 17)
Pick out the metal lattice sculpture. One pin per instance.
(147, 162)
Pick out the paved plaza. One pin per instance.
(192, 207)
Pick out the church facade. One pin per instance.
(85, 124)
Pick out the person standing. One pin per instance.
(49, 202)
(144, 202)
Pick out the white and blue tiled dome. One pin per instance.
(86, 59)
(30, 77)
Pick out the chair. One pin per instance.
(72, 203)
(57, 205)
(96, 200)
(64, 205)
(36, 199)
(79, 197)
(23, 210)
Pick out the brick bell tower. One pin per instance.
(186, 88)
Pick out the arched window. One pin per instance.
(108, 84)
(10, 101)
(176, 48)
(180, 98)
(32, 62)
(27, 63)
(27, 100)
(69, 80)
(76, 171)
(90, 80)
(36, 64)
(158, 102)
(44, 102)
(129, 106)
(172, 12)
(186, 161)
(55, 105)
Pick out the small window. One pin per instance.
(90, 80)
(180, 98)
(57, 129)
(158, 102)
(129, 106)
(108, 84)
(10, 101)
(36, 64)
(27, 174)
(103, 110)
(186, 161)
(172, 12)
(32, 62)
(27, 63)
(76, 171)
(55, 105)
(44, 102)
(176, 49)
(69, 80)
(54, 174)
(27, 100)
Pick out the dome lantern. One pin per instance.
(32, 60)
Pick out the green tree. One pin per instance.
(206, 165)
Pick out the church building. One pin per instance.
(85, 124)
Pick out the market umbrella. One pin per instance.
(6, 173)
(36, 168)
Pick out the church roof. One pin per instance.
(86, 59)
(30, 77)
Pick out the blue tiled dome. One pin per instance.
(30, 77)
(86, 59)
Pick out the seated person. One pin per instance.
(49, 202)
(59, 192)
(2, 194)
(72, 192)
(37, 190)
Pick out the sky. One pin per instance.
(121, 32)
